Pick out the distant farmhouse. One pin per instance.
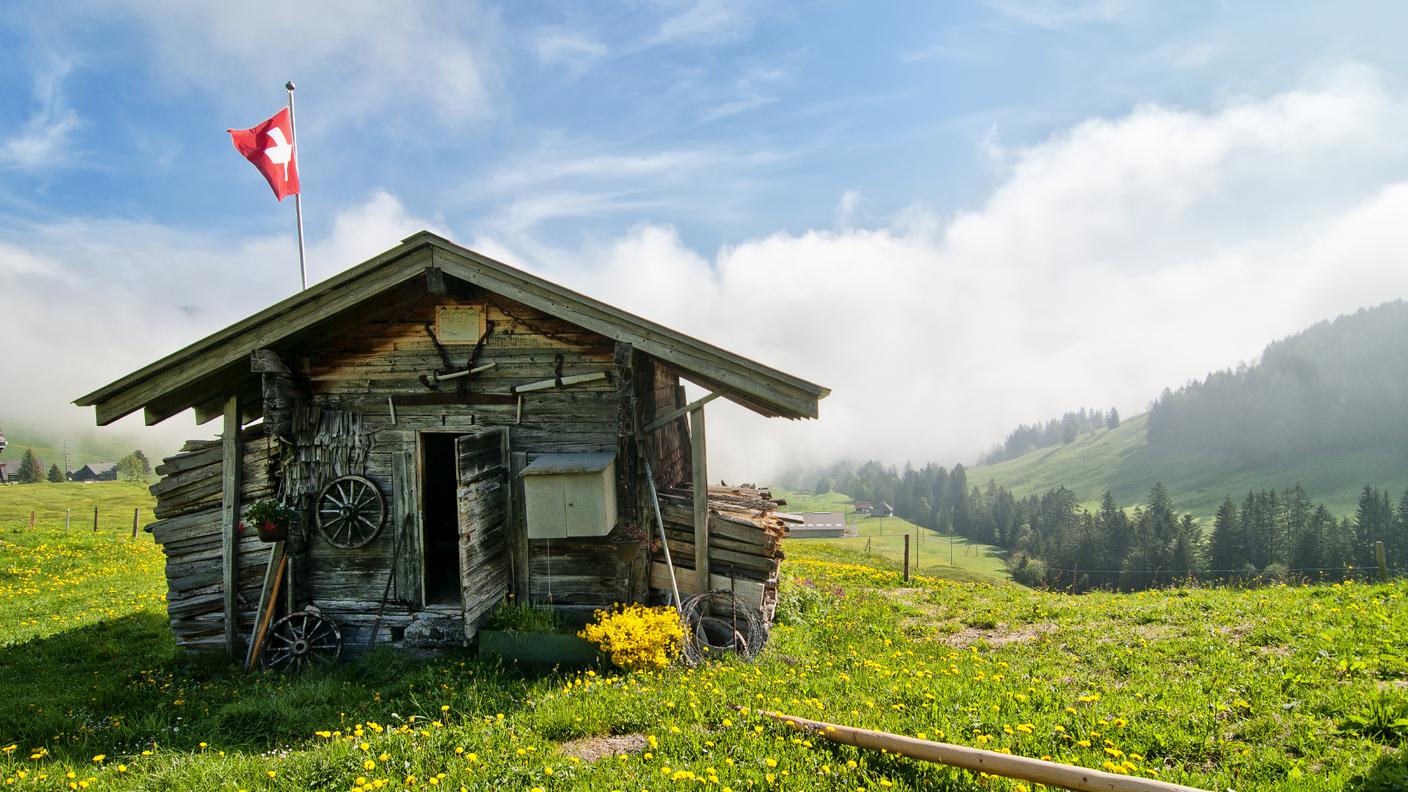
(2, 442)
(882, 509)
(819, 525)
(95, 471)
(861, 507)
(9, 472)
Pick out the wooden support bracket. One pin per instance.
(665, 419)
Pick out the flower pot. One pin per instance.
(542, 650)
(271, 532)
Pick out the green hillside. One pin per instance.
(94, 446)
(1120, 460)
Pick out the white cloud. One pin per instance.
(571, 49)
(358, 57)
(157, 289)
(704, 22)
(1059, 14)
(44, 142)
(1116, 257)
(846, 209)
(1119, 256)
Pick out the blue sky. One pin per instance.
(974, 175)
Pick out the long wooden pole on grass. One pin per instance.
(979, 760)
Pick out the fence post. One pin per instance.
(31, 519)
(135, 512)
(906, 558)
(1382, 560)
(68, 518)
(95, 519)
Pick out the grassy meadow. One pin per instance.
(1121, 461)
(932, 554)
(1276, 688)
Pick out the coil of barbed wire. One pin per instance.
(717, 622)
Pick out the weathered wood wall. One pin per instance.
(188, 530)
(670, 447)
(371, 368)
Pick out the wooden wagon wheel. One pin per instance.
(301, 640)
(350, 512)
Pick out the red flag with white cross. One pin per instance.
(270, 148)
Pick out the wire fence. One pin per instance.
(92, 519)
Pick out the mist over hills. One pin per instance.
(1326, 407)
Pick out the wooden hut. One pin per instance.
(95, 471)
(453, 431)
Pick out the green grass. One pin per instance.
(881, 539)
(1122, 462)
(1278, 688)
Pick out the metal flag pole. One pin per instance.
(298, 196)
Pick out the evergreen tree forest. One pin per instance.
(1337, 385)
(1057, 431)
(1052, 541)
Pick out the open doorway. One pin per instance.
(440, 519)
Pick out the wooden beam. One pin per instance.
(698, 453)
(229, 523)
(673, 414)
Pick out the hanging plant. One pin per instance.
(270, 518)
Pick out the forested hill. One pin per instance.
(1122, 462)
(1339, 385)
(1327, 407)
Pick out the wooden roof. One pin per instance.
(203, 374)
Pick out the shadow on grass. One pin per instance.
(122, 686)
(1389, 774)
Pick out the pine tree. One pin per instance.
(1112, 419)
(1228, 550)
(31, 468)
(1112, 530)
(1308, 554)
(56, 476)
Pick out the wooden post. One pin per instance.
(699, 461)
(31, 519)
(229, 522)
(906, 558)
(1382, 559)
(68, 518)
(95, 519)
(135, 512)
(979, 760)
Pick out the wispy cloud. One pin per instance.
(1059, 14)
(437, 58)
(45, 141)
(571, 49)
(704, 22)
(757, 85)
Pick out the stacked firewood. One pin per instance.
(188, 529)
(745, 544)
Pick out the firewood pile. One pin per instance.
(745, 544)
(188, 530)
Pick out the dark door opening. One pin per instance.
(440, 513)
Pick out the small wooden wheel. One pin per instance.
(351, 512)
(301, 640)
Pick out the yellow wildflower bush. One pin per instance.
(637, 638)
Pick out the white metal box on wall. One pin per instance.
(567, 495)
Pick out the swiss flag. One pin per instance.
(270, 147)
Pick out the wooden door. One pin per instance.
(482, 467)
